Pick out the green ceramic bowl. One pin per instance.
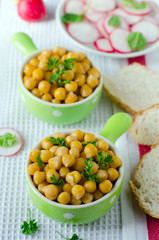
(85, 213)
(46, 111)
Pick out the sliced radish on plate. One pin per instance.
(74, 6)
(118, 40)
(109, 29)
(93, 16)
(155, 11)
(103, 5)
(83, 32)
(129, 18)
(149, 30)
(16, 147)
(100, 27)
(103, 45)
(138, 12)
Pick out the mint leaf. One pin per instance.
(114, 21)
(7, 140)
(136, 41)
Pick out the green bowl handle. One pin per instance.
(23, 43)
(116, 125)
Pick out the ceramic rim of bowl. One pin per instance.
(117, 184)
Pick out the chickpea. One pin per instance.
(32, 168)
(55, 162)
(95, 168)
(34, 62)
(80, 98)
(85, 65)
(47, 75)
(28, 69)
(75, 201)
(116, 162)
(54, 149)
(76, 144)
(63, 172)
(50, 173)
(78, 191)
(87, 198)
(109, 152)
(102, 145)
(64, 57)
(68, 76)
(71, 55)
(78, 134)
(94, 72)
(45, 155)
(86, 90)
(38, 177)
(92, 81)
(56, 101)
(61, 151)
(30, 83)
(113, 174)
(47, 53)
(54, 70)
(36, 92)
(70, 139)
(73, 177)
(89, 137)
(68, 160)
(51, 191)
(52, 90)
(105, 186)
(67, 188)
(102, 174)
(74, 152)
(43, 65)
(78, 68)
(71, 98)
(44, 86)
(33, 154)
(90, 186)
(38, 74)
(40, 57)
(71, 87)
(55, 56)
(59, 189)
(41, 187)
(64, 198)
(90, 150)
(46, 97)
(83, 180)
(59, 135)
(46, 143)
(46, 168)
(81, 56)
(83, 155)
(98, 194)
(79, 164)
(26, 78)
(60, 93)
(59, 50)
(80, 79)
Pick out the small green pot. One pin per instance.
(46, 111)
(115, 127)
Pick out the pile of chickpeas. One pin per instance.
(83, 77)
(67, 163)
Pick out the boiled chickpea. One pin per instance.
(95, 167)
(97, 194)
(40, 57)
(28, 69)
(43, 65)
(46, 168)
(78, 191)
(59, 50)
(54, 149)
(71, 98)
(102, 174)
(46, 97)
(80, 55)
(78, 134)
(116, 162)
(86, 90)
(74, 152)
(80, 79)
(55, 56)
(92, 81)
(113, 174)
(70, 139)
(47, 53)
(90, 150)
(44, 86)
(67, 187)
(54, 70)
(63, 172)
(68, 160)
(56, 101)
(90, 186)
(68, 76)
(38, 177)
(64, 198)
(87, 198)
(32, 168)
(59, 189)
(82, 155)
(94, 72)
(34, 62)
(30, 83)
(109, 152)
(78, 68)
(51, 191)
(60, 93)
(61, 151)
(79, 164)
(64, 57)
(73, 177)
(50, 173)
(41, 186)
(71, 87)
(38, 74)
(75, 201)
(89, 137)
(59, 135)
(33, 154)
(83, 180)
(85, 65)
(45, 155)
(55, 162)
(71, 55)
(76, 144)
(36, 92)
(47, 75)
(46, 143)
(105, 186)
(102, 145)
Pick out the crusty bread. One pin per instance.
(145, 127)
(145, 183)
(134, 88)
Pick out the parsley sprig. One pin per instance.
(92, 142)
(103, 160)
(74, 237)
(55, 182)
(87, 171)
(58, 141)
(39, 161)
(52, 63)
(7, 140)
(31, 227)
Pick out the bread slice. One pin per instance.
(145, 127)
(134, 88)
(145, 183)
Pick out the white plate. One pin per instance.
(91, 47)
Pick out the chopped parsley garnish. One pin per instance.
(87, 171)
(39, 161)
(103, 160)
(55, 182)
(58, 141)
(31, 227)
(74, 237)
(92, 142)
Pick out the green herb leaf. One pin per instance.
(55, 182)
(31, 227)
(71, 18)
(88, 170)
(134, 4)
(53, 78)
(114, 21)
(39, 161)
(52, 63)
(59, 141)
(74, 237)
(68, 63)
(7, 140)
(92, 142)
(103, 160)
(136, 41)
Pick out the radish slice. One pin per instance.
(83, 32)
(103, 45)
(155, 11)
(149, 30)
(100, 27)
(118, 40)
(93, 16)
(129, 18)
(138, 12)
(15, 148)
(109, 29)
(74, 6)
(103, 5)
